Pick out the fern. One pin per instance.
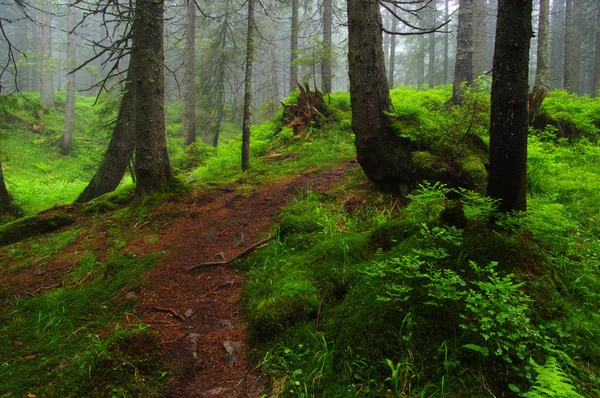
(551, 381)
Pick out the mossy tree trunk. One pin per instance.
(152, 168)
(380, 150)
(509, 116)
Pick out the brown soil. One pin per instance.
(198, 313)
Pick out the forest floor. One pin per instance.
(197, 311)
(213, 334)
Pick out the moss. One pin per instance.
(472, 174)
(391, 233)
(109, 201)
(298, 224)
(33, 225)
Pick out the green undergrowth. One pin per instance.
(439, 295)
(78, 337)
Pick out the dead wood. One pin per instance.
(244, 252)
(170, 311)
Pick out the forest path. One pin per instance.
(198, 313)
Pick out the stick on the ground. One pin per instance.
(246, 251)
(170, 311)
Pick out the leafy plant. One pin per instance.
(551, 381)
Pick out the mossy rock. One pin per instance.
(298, 225)
(472, 173)
(33, 225)
(562, 121)
(391, 233)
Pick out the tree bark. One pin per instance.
(509, 116)
(446, 78)
(569, 42)
(294, 46)
(380, 151)
(66, 141)
(557, 44)
(431, 49)
(189, 113)
(392, 56)
(542, 71)
(221, 70)
(248, 87)
(120, 148)
(463, 68)
(326, 69)
(45, 56)
(5, 202)
(597, 58)
(152, 169)
(478, 38)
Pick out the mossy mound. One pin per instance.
(109, 201)
(292, 224)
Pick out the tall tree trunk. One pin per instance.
(294, 46)
(379, 148)
(421, 62)
(569, 43)
(557, 44)
(189, 113)
(431, 50)
(120, 148)
(66, 140)
(248, 86)
(575, 49)
(273, 83)
(446, 77)
(509, 116)
(326, 69)
(463, 69)
(490, 31)
(478, 38)
(541, 76)
(392, 56)
(597, 57)
(45, 56)
(5, 202)
(152, 169)
(221, 70)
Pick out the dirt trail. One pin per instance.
(198, 312)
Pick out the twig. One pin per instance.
(170, 311)
(255, 246)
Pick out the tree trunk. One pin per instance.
(293, 46)
(189, 113)
(431, 50)
(463, 68)
(66, 140)
(575, 49)
(45, 56)
(478, 38)
(379, 149)
(4, 196)
(446, 77)
(120, 149)
(541, 76)
(326, 69)
(597, 58)
(490, 24)
(509, 116)
(392, 56)
(248, 85)
(220, 100)
(557, 44)
(152, 169)
(569, 43)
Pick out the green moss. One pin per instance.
(392, 233)
(298, 224)
(33, 225)
(109, 201)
